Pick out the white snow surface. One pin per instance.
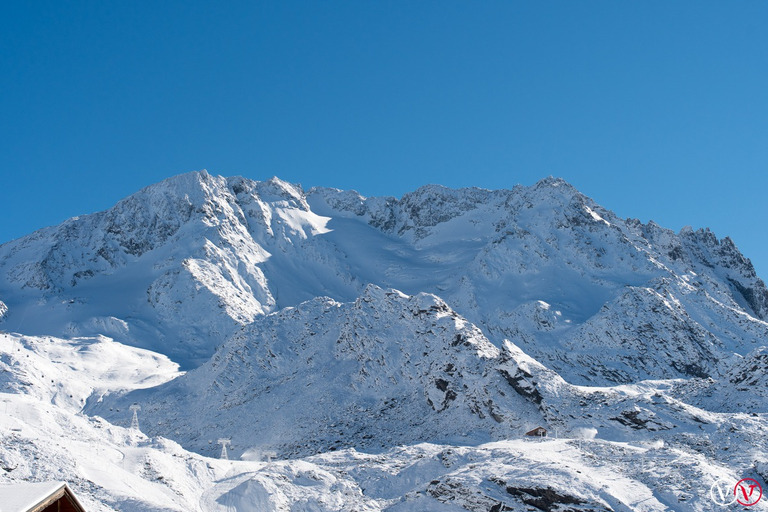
(24, 496)
(379, 353)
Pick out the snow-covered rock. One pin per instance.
(384, 370)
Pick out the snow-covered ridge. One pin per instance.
(181, 265)
(380, 371)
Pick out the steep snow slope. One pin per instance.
(155, 269)
(181, 265)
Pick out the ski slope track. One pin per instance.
(380, 353)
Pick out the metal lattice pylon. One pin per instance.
(224, 443)
(135, 420)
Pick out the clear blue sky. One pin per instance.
(657, 110)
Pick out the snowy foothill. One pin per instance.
(111, 467)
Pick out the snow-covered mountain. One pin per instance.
(543, 266)
(396, 349)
